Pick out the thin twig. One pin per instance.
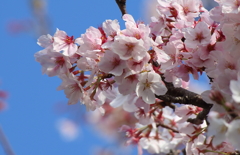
(122, 6)
(6, 146)
(167, 127)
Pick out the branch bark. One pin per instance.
(122, 6)
(184, 96)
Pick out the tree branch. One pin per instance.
(122, 6)
(167, 127)
(184, 96)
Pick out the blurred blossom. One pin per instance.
(3, 97)
(150, 5)
(39, 23)
(19, 26)
(109, 124)
(39, 7)
(3, 94)
(68, 129)
(41, 19)
(3, 105)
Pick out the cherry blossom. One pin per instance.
(53, 63)
(143, 70)
(68, 129)
(129, 47)
(233, 135)
(149, 85)
(231, 6)
(128, 84)
(111, 63)
(218, 128)
(64, 42)
(200, 35)
(235, 89)
(45, 41)
(90, 43)
(111, 28)
(117, 99)
(72, 89)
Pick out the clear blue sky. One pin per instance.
(29, 122)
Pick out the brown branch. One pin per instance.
(122, 6)
(184, 96)
(200, 117)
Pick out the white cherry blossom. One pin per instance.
(233, 133)
(235, 89)
(218, 128)
(149, 84)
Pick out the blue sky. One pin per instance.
(30, 120)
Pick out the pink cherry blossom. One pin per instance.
(129, 47)
(137, 66)
(230, 6)
(65, 43)
(137, 30)
(189, 9)
(232, 42)
(111, 63)
(184, 69)
(173, 56)
(90, 43)
(128, 84)
(158, 25)
(72, 89)
(199, 36)
(68, 129)
(186, 112)
(53, 63)
(86, 63)
(112, 70)
(111, 28)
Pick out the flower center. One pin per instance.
(69, 40)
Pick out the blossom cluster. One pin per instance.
(132, 67)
